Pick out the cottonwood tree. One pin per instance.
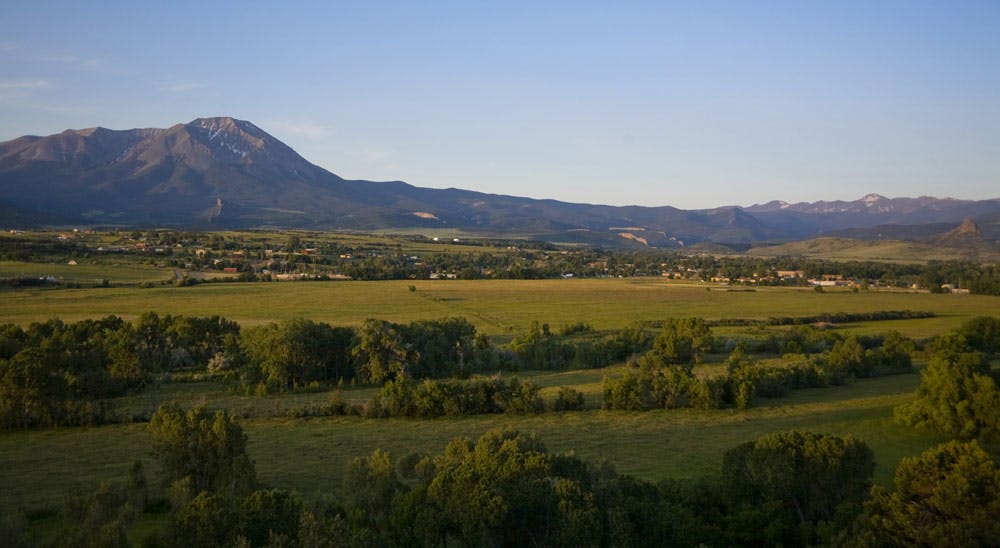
(201, 452)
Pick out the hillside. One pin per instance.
(228, 173)
(846, 249)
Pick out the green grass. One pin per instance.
(87, 272)
(310, 455)
(494, 306)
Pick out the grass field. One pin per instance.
(44, 467)
(310, 455)
(87, 273)
(495, 306)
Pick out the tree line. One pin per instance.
(57, 373)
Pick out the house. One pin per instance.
(790, 274)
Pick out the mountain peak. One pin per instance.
(967, 228)
(872, 198)
(225, 123)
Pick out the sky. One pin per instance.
(690, 104)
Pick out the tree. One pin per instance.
(982, 334)
(380, 352)
(681, 341)
(206, 521)
(956, 396)
(809, 475)
(847, 357)
(207, 452)
(507, 489)
(293, 353)
(947, 496)
(894, 354)
(270, 512)
(31, 393)
(441, 347)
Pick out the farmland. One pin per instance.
(309, 454)
(496, 307)
(295, 447)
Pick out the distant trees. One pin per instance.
(297, 352)
(55, 373)
(405, 397)
(423, 349)
(682, 341)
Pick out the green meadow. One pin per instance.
(496, 307)
(43, 467)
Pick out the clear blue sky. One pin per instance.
(693, 104)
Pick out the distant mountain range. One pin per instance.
(228, 173)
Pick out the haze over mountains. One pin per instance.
(228, 173)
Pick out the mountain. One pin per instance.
(224, 172)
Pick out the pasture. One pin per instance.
(310, 455)
(496, 307)
(43, 467)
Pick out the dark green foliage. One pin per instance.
(957, 396)
(505, 489)
(99, 519)
(893, 356)
(60, 373)
(200, 452)
(851, 317)
(57, 373)
(166, 343)
(847, 358)
(380, 352)
(206, 521)
(982, 334)
(576, 347)
(540, 349)
(681, 341)
(810, 476)
(423, 349)
(437, 398)
(568, 399)
(442, 347)
(948, 496)
(669, 387)
(267, 513)
(297, 352)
